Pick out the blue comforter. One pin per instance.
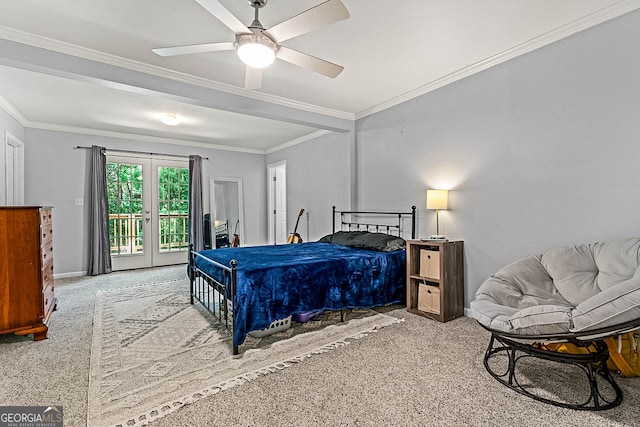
(276, 281)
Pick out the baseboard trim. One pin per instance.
(467, 312)
(70, 274)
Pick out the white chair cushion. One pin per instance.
(566, 289)
(541, 319)
(613, 306)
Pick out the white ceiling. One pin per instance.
(391, 51)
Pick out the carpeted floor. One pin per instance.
(416, 373)
(153, 352)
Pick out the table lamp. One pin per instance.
(437, 199)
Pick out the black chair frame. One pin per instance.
(593, 363)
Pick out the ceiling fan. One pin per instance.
(258, 47)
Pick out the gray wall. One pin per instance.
(56, 174)
(318, 177)
(540, 151)
(11, 125)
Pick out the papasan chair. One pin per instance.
(572, 296)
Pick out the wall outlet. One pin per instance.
(79, 202)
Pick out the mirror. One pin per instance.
(227, 212)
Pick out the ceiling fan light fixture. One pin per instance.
(256, 50)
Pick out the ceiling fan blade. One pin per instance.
(253, 78)
(323, 14)
(303, 60)
(223, 15)
(194, 48)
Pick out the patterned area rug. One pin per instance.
(152, 352)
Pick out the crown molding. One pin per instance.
(161, 140)
(618, 9)
(305, 138)
(139, 137)
(6, 106)
(30, 39)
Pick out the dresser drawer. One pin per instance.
(46, 233)
(47, 253)
(47, 274)
(49, 301)
(45, 216)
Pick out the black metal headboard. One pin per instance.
(377, 228)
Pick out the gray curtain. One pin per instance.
(99, 250)
(196, 236)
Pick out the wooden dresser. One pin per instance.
(26, 270)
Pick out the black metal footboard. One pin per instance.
(214, 294)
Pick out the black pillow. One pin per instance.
(366, 240)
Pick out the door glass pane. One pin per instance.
(124, 192)
(173, 206)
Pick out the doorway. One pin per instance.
(14, 167)
(277, 209)
(148, 211)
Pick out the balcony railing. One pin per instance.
(126, 232)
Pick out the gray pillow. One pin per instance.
(366, 240)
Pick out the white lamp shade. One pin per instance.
(437, 199)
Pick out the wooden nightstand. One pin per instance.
(435, 279)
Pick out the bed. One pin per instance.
(360, 264)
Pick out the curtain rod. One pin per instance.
(140, 152)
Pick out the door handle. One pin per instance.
(147, 219)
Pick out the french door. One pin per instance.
(148, 211)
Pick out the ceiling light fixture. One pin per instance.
(256, 50)
(171, 119)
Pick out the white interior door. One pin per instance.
(278, 203)
(148, 211)
(14, 170)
